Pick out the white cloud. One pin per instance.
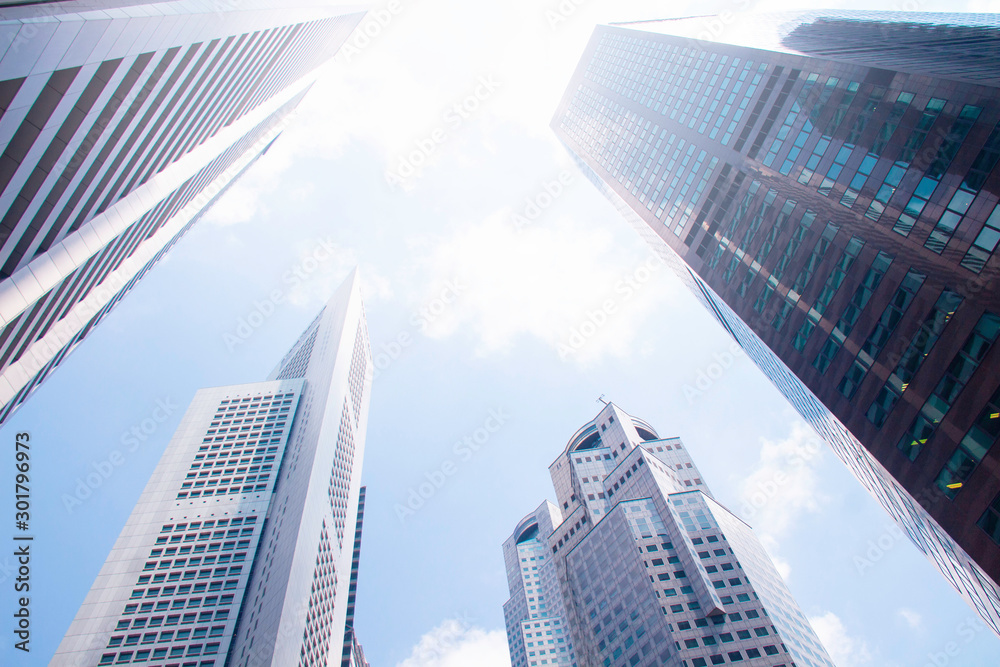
(770, 544)
(564, 282)
(784, 484)
(454, 644)
(846, 650)
(550, 280)
(912, 618)
(396, 89)
(240, 204)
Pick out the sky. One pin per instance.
(483, 256)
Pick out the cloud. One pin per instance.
(550, 280)
(912, 618)
(564, 282)
(846, 651)
(770, 545)
(784, 483)
(393, 89)
(454, 644)
(239, 204)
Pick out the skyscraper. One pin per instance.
(121, 121)
(243, 548)
(639, 565)
(353, 655)
(825, 183)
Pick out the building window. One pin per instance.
(825, 356)
(867, 165)
(972, 449)
(990, 520)
(920, 346)
(986, 242)
(831, 128)
(883, 404)
(833, 283)
(817, 255)
(881, 333)
(959, 372)
(895, 174)
(853, 310)
(928, 184)
(790, 119)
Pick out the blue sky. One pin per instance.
(475, 284)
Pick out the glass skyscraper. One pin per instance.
(243, 548)
(120, 123)
(638, 565)
(825, 184)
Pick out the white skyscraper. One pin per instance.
(242, 549)
(638, 565)
(121, 122)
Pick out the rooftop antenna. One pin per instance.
(601, 399)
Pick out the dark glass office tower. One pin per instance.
(825, 183)
(121, 122)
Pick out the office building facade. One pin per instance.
(243, 548)
(825, 183)
(638, 565)
(121, 122)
